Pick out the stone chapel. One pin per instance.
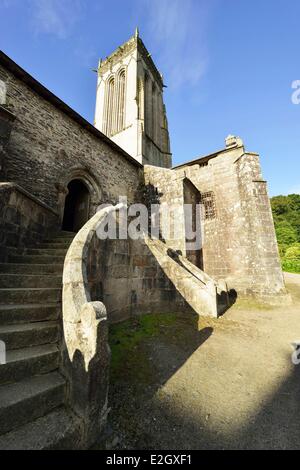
(61, 286)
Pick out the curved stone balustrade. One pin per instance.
(86, 354)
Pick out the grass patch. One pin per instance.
(291, 266)
(127, 342)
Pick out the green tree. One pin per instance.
(286, 214)
(286, 234)
(293, 252)
(279, 205)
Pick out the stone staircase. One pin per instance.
(32, 390)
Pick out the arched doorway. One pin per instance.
(77, 204)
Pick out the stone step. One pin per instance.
(65, 233)
(58, 240)
(30, 280)
(19, 268)
(28, 295)
(46, 252)
(54, 244)
(19, 313)
(26, 362)
(59, 430)
(29, 334)
(24, 401)
(37, 259)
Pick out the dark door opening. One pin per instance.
(192, 197)
(76, 206)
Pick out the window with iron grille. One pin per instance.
(207, 200)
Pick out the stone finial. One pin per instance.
(2, 93)
(233, 141)
(136, 33)
(99, 63)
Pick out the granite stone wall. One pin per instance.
(24, 220)
(47, 148)
(44, 145)
(238, 236)
(127, 277)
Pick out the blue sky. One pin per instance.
(229, 66)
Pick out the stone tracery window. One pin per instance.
(153, 117)
(140, 99)
(121, 101)
(109, 107)
(115, 102)
(146, 105)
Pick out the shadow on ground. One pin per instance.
(149, 349)
(146, 352)
(161, 427)
(179, 383)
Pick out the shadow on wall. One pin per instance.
(151, 196)
(128, 278)
(87, 373)
(225, 300)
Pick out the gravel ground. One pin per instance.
(181, 383)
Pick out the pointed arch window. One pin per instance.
(121, 101)
(109, 107)
(140, 99)
(147, 109)
(153, 116)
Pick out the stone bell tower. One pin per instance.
(129, 104)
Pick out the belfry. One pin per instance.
(129, 103)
